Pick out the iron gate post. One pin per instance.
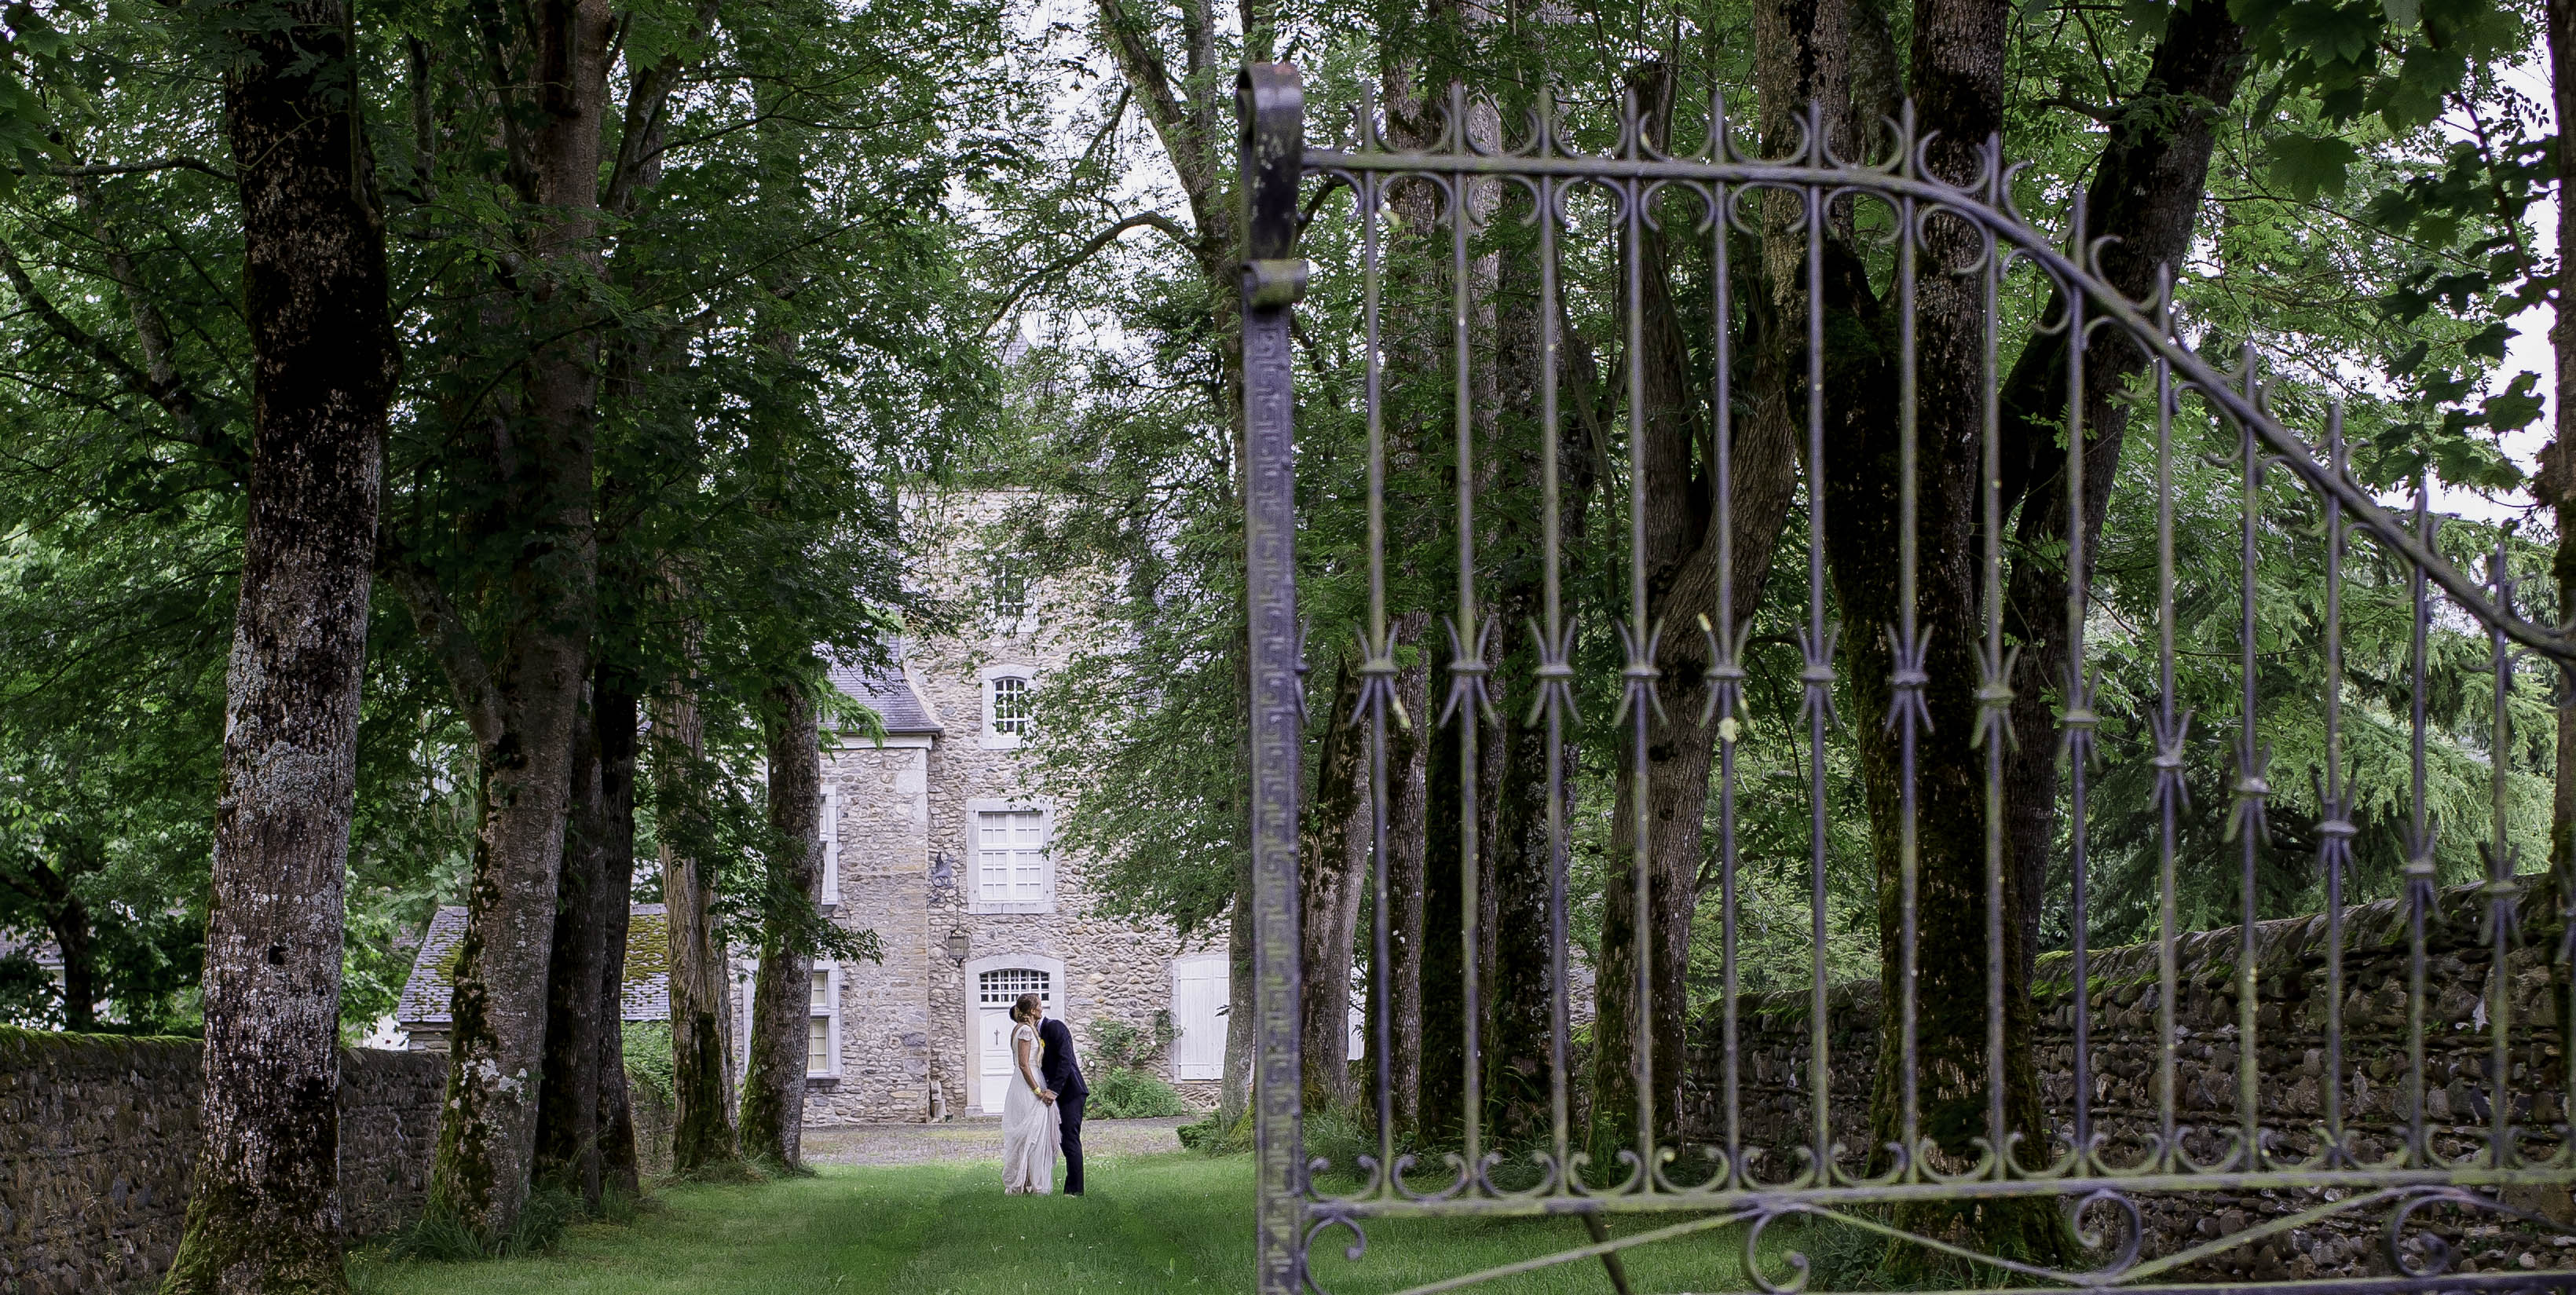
(1271, 103)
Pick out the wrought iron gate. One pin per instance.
(2347, 1136)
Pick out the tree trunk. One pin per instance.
(2145, 198)
(1682, 548)
(264, 1209)
(2555, 486)
(773, 1096)
(1523, 990)
(487, 1142)
(568, 1127)
(67, 920)
(613, 711)
(1395, 992)
(1334, 870)
(702, 1127)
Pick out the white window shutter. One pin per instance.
(831, 844)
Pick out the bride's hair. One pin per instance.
(1026, 1008)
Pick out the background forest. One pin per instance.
(675, 330)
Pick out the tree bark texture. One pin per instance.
(702, 1127)
(2145, 198)
(1335, 859)
(613, 711)
(577, 1016)
(264, 1210)
(523, 703)
(1680, 560)
(2555, 486)
(1397, 993)
(773, 1090)
(1525, 863)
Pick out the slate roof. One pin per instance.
(888, 694)
(648, 976)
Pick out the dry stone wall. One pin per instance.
(2289, 1058)
(98, 1136)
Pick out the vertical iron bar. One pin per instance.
(1819, 693)
(1632, 197)
(2336, 832)
(1380, 667)
(1271, 105)
(2420, 869)
(1467, 664)
(1560, 1103)
(2078, 719)
(1728, 699)
(2249, 805)
(2169, 743)
(1907, 694)
(2499, 894)
(1994, 698)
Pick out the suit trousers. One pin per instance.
(1069, 1115)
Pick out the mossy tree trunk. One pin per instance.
(1334, 853)
(614, 710)
(2554, 486)
(703, 1133)
(773, 1089)
(264, 1209)
(568, 1128)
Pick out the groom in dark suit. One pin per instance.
(1062, 1074)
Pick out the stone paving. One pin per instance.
(966, 1141)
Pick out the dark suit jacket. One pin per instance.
(1061, 1070)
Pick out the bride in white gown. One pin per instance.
(1029, 1129)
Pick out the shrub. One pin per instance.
(648, 1057)
(1133, 1095)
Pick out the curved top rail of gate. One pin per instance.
(2322, 1156)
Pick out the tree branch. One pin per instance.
(639, 144)
(172, 396)
(451, 640)
(174, 163)
(1178, 233)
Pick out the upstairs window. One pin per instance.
(1013, 870)
(1010, 710)
(1011, 706)
(1009, 592)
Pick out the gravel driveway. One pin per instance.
(962, 1141)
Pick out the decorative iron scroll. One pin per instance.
(2400, 1160)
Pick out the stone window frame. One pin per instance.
(991, 737)
(976, 808)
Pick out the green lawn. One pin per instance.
(1178, 1222)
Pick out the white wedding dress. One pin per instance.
(1029, 1130)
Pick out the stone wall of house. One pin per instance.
(1114, 968)
(884, 873)
(2291, 985)
(98, 1137)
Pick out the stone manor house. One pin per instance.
(934, 840)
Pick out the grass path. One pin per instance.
(1175, 1222)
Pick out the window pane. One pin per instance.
(1010, 705)
(822, 998)
(1002, 988)
(818, 1045)
(1010, 590)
